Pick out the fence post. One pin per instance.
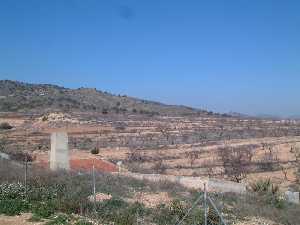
(205, 205)
(81, 209)
(25, 175)
(94, 187)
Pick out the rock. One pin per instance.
(100, 197)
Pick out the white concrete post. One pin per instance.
(59, 155)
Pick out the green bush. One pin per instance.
(13, 207)
(177, 209)
(5, 126)
(12, 199)
(105, 111)
(49, 193)
(261, 186)
(44, 209)
(108, 209)
(129, 215)
(268, 192)
(45, 118)
(163, 215)
(95, 151)
(41, 198)
(120, 212)
(11, 191)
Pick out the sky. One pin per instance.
(220, 55)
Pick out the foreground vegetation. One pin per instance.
(47, 194)
(63, 198)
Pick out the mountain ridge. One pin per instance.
(16, 96)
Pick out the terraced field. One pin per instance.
(189, 146)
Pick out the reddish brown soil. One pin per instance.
(87, 165)
(80, 161)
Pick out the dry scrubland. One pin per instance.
(239, 149)
(148, 137)
(190, 146)
(62, 198)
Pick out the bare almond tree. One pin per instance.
(136, 156)
(236, 161)
(284, 170)
(192, 156)
(270, 160)
(159, 167)
(296, 151)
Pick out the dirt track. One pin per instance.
(18, 220)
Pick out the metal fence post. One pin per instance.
(94, 187)
(25, 175)
(205, 205)
(207, 202)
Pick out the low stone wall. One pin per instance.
(193, 182)
(212, 185)
(226, 186)
(4, 156)
(292, 197)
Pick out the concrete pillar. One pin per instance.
(292, 197)
(119, 164)
(59, 155)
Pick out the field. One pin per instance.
(188, 146)
(246, 150)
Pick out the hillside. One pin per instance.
(23, 97)
(187, 149)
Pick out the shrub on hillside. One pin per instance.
(45, 118)
(176, 211)
(119, 212)
(264, 186)
(12, 207)
(105, 111)
(12, 197)
(268, 192)
(21, 156)
(95, 151)
(5, 126)
(12, 191)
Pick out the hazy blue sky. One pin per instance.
(230, 55)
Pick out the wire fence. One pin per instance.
(215, 218)
(212, 215)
